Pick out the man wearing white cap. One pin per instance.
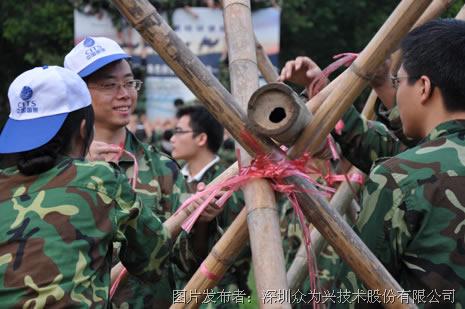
(61, 213)
(104, 67)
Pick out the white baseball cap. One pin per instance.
(93, 53)
(40, 100)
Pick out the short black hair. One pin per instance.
(201, 121)
(437, 50)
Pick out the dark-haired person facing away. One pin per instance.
(196, 140)
(61, 213)
(413, 210)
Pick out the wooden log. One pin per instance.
(264, 64)
(275, 110)
(222, 105)
(356, 77)
(262, 212)
(434, 10)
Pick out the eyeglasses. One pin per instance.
(395, 80)
(112, 87)
(177, 131)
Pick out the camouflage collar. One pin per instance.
(446, 128)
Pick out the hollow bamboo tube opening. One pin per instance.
(275, 110)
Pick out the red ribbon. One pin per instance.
(204, 270)
(261, 167)
(120, 277)
(276, 171)
(135, 172)
(339, 127)
(343, 59)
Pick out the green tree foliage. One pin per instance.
(32, 33)
(321, 29)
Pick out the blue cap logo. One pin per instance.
(88, 42)
(26, 93)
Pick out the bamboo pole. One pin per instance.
(356, 77)
(262, 211)
(221, 104)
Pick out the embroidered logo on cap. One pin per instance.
(26, 93)
(27, 105)
(88, 42)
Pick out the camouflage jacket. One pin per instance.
(160, 185)
(236, 276)
(57, 230)
(412, 219)
(363, 141)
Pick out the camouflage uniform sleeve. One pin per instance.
(145, 244)
(363, 141)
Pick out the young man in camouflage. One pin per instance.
(103, 65)
(412, 204)
(196, 140)
(61, 213)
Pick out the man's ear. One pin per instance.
(426, 90)
(202, 139)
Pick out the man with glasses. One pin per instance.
(105, 68)
(196, 140)
(413, 215)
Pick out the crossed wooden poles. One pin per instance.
(261, 209)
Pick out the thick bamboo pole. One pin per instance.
(262, 211)
(156, 32)
(356, 77)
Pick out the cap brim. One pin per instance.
(94, 66)
(24, 135)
